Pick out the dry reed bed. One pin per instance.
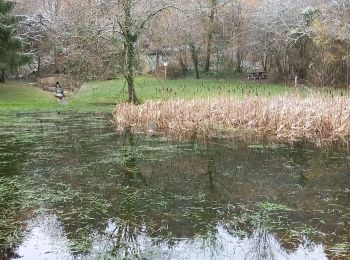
(320, 120)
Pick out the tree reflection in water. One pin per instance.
(46, 240)
(131, 171)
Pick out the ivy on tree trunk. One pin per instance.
(129, 73)
(130, 39)
(130, 31)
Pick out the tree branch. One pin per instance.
(150, 16)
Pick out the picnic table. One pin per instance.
(256, 75)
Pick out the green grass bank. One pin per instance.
(21, 96)
(104, 95)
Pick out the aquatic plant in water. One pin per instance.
(317, 119)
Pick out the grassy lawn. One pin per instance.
(103, 95)
(147, 88)
(20, 96)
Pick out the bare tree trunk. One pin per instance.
(208, 56)
(38, 70)
(239, 61)
(2, 76)
(183, 60)
(157, 61)
(264, 60)
(194, 54)
(210, 36)
(217, 60)
(278, 64)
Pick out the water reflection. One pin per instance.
(129, 156)
(46, 240)
(120, 195)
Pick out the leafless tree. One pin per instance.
(99, 38)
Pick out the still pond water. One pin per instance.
(72, 188)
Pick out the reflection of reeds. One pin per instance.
(286, 118)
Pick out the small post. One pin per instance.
(165, 69)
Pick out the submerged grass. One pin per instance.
(289, 118)
(169, 191)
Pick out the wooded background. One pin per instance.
(89, 38)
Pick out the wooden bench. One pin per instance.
(257, 75)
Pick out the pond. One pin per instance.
(73, 188)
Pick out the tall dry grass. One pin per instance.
(317, 119)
